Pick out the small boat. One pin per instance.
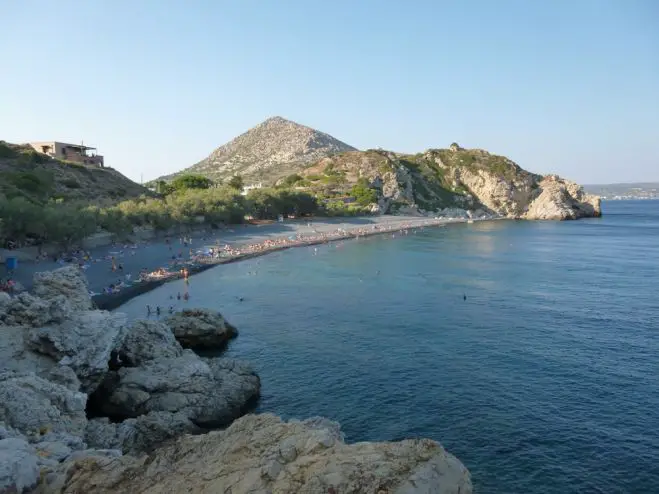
(470, 221)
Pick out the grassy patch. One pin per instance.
(71, 183)
(37, 182)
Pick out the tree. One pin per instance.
(236, 182)
(264, 204)
(291, 180)
(190, 181)
(363, 193)
(163, 188)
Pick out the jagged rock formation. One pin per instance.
(455, 178)
(261, 453)
(201, 329)
(61, 361)
(562, 200)
(267, 152)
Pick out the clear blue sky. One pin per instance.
(570, 87)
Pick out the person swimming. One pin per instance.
(178, 296)
(464, 296)
(171, 309)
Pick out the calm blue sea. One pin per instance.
(545, 380)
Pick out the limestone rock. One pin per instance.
(74, 443)
(5, 300)
(68, 281)
(65, 376)
(84, 342)
(561, 199)
(139, 435)
(28, 310)
(19, 466)
(8, 432)
(53, 450)
(274, 149)
(209, 395)
(261, 453)
(147, 340)
(15, 357)
(34, 406)
(201, 329)
(505, 196)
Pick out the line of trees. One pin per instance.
(187, 201)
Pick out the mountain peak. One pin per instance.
(273, 149)
(278, 119)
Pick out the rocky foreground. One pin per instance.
(89, 403)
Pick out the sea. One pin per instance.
(530, 350)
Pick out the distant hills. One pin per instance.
(642, 190)
(280, 152)
(272, 150)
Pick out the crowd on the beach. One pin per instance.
(184, 258)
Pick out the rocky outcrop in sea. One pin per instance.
(91, 403)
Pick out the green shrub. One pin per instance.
(6, 151)
(71, 183)
(363, 193)
(190, 181)
(291, 180)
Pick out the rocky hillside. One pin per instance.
(469, 179)
(282, 152)
(271, 150)
(39, 178)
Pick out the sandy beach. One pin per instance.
(200, 251)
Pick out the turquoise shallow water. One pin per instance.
(545, 380)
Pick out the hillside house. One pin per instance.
(70, 152)
(247, 188)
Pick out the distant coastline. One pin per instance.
(625, 191)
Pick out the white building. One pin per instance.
(247, 188)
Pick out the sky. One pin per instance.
(567, 87)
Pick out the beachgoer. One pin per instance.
(171, 309)
(464, 297)
(178, 296)
(148, 310)
(158, 310)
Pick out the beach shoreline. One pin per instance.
(243, 243)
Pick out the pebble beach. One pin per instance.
(119, 272)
